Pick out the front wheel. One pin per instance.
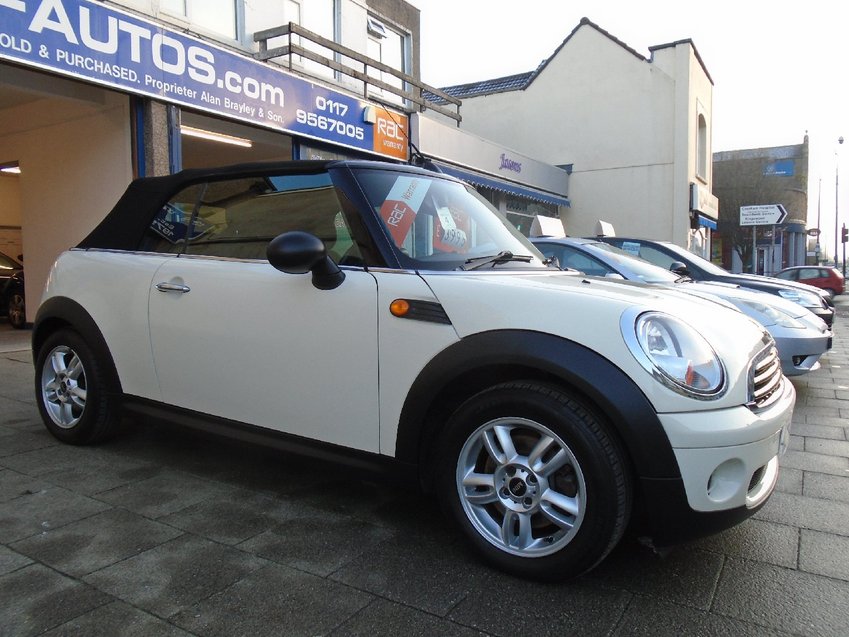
(75, 391)
(534, 481)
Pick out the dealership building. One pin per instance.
(94, 94)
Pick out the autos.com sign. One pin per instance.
(88, 40)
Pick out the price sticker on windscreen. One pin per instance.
(402, 205)
(447, 235)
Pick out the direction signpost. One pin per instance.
(768, 215)
(764, 215)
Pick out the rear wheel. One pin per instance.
(16, 311)
(534, 480)
(73, 390)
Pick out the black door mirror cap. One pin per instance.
(679, 267)
(298, 252)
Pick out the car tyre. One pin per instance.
(16, 311)
(534, 480)
(75, 390)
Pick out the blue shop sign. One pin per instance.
(88, 40)
(783, 168)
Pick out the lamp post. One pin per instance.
(836, 170)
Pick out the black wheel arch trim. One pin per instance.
(488, 358)
(60, 311)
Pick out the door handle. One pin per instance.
(173, 287)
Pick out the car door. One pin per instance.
(234, 338)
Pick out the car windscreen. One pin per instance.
(440, 224)
(636, 267)
(704, 264)
(7, 264)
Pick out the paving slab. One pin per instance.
(44, 510)
(95, 542)
(11, 561)
(576, 608)
(646, 617)
(172, 576)
(382, 617)
(759, 540)
(418, 572)
(114, 619)
(818, 485)
(686, 575)
(825, 554)
(318, 542)
(273, 601)
(783, 599)
(35, 598)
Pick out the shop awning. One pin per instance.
(479, 179)
(707, 222)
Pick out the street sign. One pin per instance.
(814, 232)
(766, 215)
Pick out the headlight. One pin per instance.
(767, 314)
(802, 297)
(677, 355)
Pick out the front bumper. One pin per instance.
(728, 462)
(800, 354)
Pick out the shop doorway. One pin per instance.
(72, 145)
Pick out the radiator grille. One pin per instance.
(765, 379)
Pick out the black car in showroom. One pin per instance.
(12, 301)
(681, 261)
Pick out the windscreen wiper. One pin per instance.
(494, 259)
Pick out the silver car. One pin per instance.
(801, 336)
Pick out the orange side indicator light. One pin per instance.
(399, 307)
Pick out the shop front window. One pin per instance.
(521, 212)
(530, 208)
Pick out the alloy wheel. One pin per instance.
(521, 487)
(64, 386)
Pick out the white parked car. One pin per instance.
(387, 315)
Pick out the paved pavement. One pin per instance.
(168, 532)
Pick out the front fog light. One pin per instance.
(677, 355)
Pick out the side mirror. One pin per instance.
(299, 252)
(679, 268)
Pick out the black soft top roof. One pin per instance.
(122, 228)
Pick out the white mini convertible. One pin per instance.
(386, 315)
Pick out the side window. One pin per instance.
(237, 218)
(806, 274)
(170, 227)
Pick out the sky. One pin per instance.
(779, 68)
